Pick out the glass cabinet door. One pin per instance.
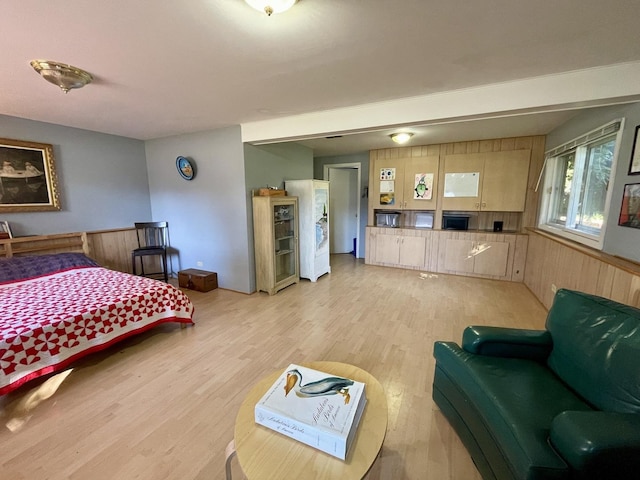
(285, 240)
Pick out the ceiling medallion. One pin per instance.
(62, 75)
(271, 6)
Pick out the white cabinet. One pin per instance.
(313, 214)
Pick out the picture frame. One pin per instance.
(630, 208)
(634, 164)
(28, 180)
(5, 230)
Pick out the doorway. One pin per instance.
(344, 207)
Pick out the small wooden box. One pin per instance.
(199, 280)
(270, 192)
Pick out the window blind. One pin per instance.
(588, 137)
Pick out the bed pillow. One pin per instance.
(21, 268)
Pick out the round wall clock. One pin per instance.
(185, 168)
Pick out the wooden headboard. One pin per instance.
(41, 244)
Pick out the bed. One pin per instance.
(60, 306)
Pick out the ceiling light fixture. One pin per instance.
(64, 76)
(271, 6)
(401, 137)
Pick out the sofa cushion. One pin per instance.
(596, 347)
(516, 401)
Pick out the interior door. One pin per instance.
(343, 209)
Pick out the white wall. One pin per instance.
(102, 179)
(621, 241)
(208, 215)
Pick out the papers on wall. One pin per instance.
(423, 186)
(388, 173)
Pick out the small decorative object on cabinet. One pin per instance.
(275, 235)
(313, 205)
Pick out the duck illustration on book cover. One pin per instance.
(313, 407)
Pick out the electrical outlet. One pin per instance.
(201, 264)
(554, 289)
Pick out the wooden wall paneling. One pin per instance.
(486, 146)
(554, 262)
(530, 214)
(589, 270)
(634, 291)
(460, 147)
(523, 143)
(473, 147)
(519, 258)
(621, 286)
(604, 281)
(507, 144)
(112, 249)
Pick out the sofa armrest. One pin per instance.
(507, 342)
(598, 444)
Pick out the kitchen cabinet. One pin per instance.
(399, 247)
(405, 183)
(313, 216)
(489, 181)
(476, 257)
(479, 254)
(275, 234)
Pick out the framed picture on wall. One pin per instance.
(27, 177)
(630, 210)
(5, 230)
(634, 166)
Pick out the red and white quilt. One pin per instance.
(49, 321)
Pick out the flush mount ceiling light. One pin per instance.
(271, 6)
(64, 76)
(401, 137)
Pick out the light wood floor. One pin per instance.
(162, 405)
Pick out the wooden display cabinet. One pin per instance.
(275, 234)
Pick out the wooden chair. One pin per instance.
(152, 242)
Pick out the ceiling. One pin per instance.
(164, 68)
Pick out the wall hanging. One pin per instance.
(27, 177)
(186, 168)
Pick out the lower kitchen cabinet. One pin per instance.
(499, 256)
(399, 247)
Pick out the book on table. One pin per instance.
(315, 408)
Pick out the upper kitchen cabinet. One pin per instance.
(409, 183)
(489, 181)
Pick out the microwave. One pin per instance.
(390, 219)
(455, 222)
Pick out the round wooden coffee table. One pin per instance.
(265, 454)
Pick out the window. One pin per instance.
(576, 195)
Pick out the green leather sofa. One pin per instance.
(561, 403)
